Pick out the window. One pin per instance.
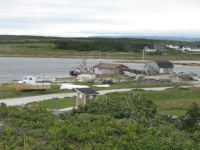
(91, 96)
(80, 95)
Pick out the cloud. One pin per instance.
(89, 17)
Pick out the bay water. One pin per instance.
(16, 68)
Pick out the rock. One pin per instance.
(86, 78)
(104, 81)
(59, 113)
(139, 78)
(156, 80)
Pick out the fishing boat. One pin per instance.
(29, 83)
(82, 69)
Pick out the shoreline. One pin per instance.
(124, 59)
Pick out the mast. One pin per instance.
(99, 57)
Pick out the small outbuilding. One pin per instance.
(104, 68)
(84, 95)
(154, 67)
(159, 47)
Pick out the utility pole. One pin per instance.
(85, 61)
(142, 61)
(99, 57)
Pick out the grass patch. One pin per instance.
(51, 104)
(9, 91)
(174, 104)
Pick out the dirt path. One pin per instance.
(25, 100)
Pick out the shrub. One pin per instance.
(120, 106)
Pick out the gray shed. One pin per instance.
(158, 67)
(84, 95)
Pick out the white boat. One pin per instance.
(195, 78)
(71, 86)
(103, 85)
(29, 83)
(129, 74)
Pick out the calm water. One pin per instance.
(17, 68)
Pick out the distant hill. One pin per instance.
(169, 38)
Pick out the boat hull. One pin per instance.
(28, 87)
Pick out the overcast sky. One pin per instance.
(82, 18)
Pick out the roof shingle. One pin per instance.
(87, 91)
(110, 66)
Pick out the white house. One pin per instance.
(191, 48)
(147, 49)
(172, 46)
(158, 67)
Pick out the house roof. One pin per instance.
(146, 47)
(110, 66)
(159, 46)
(190, 46)
(164, 64)
(87, 91)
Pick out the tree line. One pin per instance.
(92, 44)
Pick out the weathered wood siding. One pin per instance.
(81, 97)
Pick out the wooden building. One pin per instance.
(84, 95)
(158, 67)
(159, 47)
(104, 68)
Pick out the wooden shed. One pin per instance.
(104, 68)
(84, 95)
(158, 67)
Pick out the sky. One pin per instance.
(83, 18)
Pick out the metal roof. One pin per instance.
(164, 64)
(110, 66)
(87, 91)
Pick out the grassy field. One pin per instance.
(61, 103)
(174, 101)
(49, 50)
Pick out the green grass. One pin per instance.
(174, 101)
(9, 91)
(51, 104)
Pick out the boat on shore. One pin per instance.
(29, 83)
(72, 86)
(195, 78)
(102, 85)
